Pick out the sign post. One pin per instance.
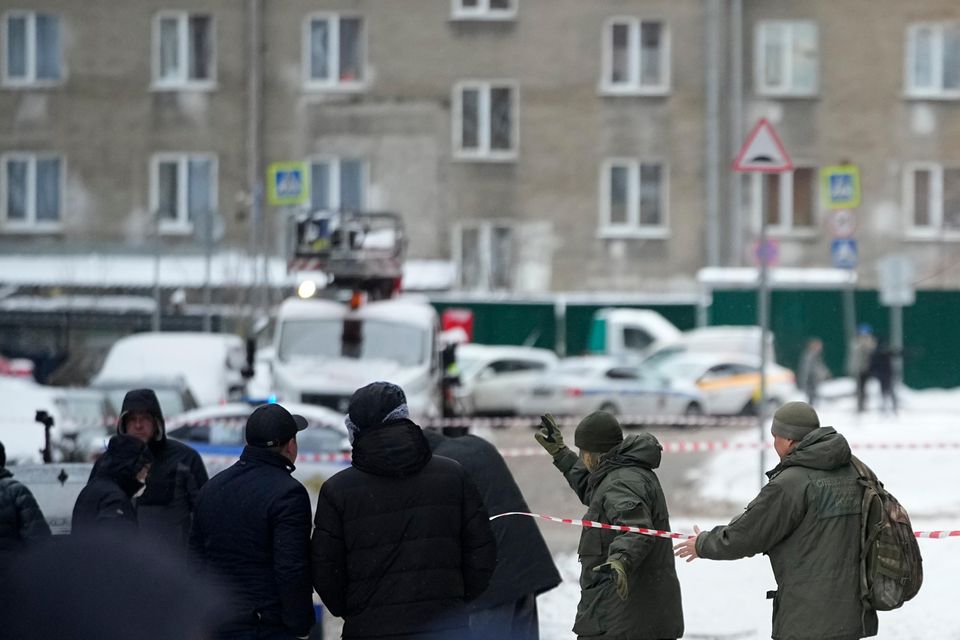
(896, 277)
(763, 152)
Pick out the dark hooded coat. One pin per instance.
(625, 490)
(401, 541)
(807, 520)
(107, 500)
(165, 509)
(524, 564)
(21, 520)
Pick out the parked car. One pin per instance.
(490, 376)
(718, 339)
(629, 333)
(173, 393)
(578, 386)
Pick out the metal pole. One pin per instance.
(763, 302)
(736, 128)
(713, 132)
(207, 268)
(896, 342)
(560, 322)
(849, 317)
(156, 271)
(254, 89)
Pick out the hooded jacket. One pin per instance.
(107, 500)
(524, 564)
(807, 520)
(21, 520)
(401, 540)
(625, 490)
(166, 506)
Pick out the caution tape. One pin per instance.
(656, 533)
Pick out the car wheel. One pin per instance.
(609, 407)
(693, 409)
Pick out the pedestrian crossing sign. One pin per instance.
(840, 186)
(288, 183)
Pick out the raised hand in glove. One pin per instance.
(549, 436)
(619, 574)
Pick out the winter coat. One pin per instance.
(402, 540)
(107, 500)
(807, 519)
(166, 506)
(524, 564)
(861, 351)
(812, 371)
(21, 520)
(625, 490)
(251, 529)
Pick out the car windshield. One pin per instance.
(579, 368)
(378, 340)
(86, 411)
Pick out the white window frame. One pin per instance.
(484, 153)
(634, 87)
(939, 57)
(30, 80)
(935, 231)
(632, 228)
(183, 81)
(789, 89)
(334, 83)
(182, 225)
(31, 225)
(485, 228)
(336, 196)
(786, 227)
(483, 11)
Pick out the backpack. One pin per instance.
(891, 569)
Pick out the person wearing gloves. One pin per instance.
(107, 500)
(628, 582)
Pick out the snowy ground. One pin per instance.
(726, 600)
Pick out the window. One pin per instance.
(634, 198)
(485, 121)
(787, 58)
(484, 9)
(485, 256)
(32, 52)
(338, 184)
(183, 54)
(933, 60)
(788, 199)
(335, 52)
(932, 195)
(32, 188)
(636, 57)
(183, 189)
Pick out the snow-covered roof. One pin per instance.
(100, 304)
(780, 277)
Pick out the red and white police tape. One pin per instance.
(667, 534)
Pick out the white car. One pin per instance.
(578, 386)
(490, 376)
(724, 383)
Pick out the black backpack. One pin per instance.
(891, 569)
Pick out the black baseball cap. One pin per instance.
(270, 425)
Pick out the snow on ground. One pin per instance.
(726, 600)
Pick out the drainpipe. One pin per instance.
(714, 10)
(254, 132)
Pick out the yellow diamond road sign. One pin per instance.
(288, 183)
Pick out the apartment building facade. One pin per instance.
(540, 145)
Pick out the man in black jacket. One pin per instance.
(251, 529)
(107, 500)
(166, 506)
(507, 610)
(401, 541)
(21, 521)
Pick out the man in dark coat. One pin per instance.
(628, 582)
(21, 521)
(166, 507)
(807, 520)
(401, 541)
(508, 608)
(251, 530)
(107, 500)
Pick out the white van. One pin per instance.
(210, 365)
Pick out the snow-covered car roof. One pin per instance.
(315, 414)
(475, 351)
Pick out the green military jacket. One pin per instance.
(625, 490)
(807, 520)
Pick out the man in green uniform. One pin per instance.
(628, 582)
(807, 519)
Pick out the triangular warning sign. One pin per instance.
(763, 152)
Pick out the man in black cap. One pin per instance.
(628, 582)
(402, 540)
(251, 529)
(166, 506)
(807, 520)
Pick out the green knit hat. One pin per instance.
(794, 421)
(599, 432)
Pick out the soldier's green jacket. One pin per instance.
(625, 490)
(807, 520)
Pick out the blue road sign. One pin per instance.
(843, 252)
